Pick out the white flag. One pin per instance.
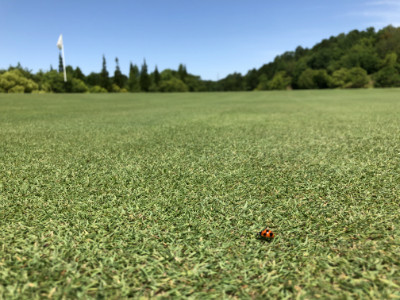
(60, 46)
(60, 42)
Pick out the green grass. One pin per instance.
(161, 195)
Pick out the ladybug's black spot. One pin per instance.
(264, 234)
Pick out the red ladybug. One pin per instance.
(266, 234)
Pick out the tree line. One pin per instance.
(358, 59)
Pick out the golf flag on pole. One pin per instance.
(60, 46)
(60, 42)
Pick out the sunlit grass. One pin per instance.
(162, 195)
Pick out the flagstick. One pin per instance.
(63, 59)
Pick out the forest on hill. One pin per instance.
(358, 59)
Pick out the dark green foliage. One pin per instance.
(53, 81)
(78, 74)
(263, 83)
(314, 79)
(144, 78)
(353, 78)
(133, 80)
(78, 86)
(93, 79)
(182, 72)
(357, 49)
(233, 82)
(251, 80)
(357, 78)
(387, 77)
(280, 81)
(195, 84)
(104, 80)
(160, 196)
(388, 40)
(119, 79)
(173, 85)
(60, 64)
(157, 77)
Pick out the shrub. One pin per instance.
(314, 79)
(78, 86)
(14, 82)
(17, 89)
(280, 81)
(173, 85)
(97, 89)
(350, 78)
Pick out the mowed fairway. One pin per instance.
(161, 195)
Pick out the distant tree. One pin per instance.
(173, 85)
(155, 80)
(340, 78)
(233, 82)
(280, 81)
(355, 77)
(390, 60)
(60, 64)
(70, 71)
(93, 79)
(300, 52)
(119, 79)
(168, 74)
(322, 79)
(388, 75)
(104, 79)
(358, 78)
(133, 81)
(361, 55)
(144, 78)
(78, 74)
(195, 84)
(182, 72)
(97, 89)
(53, 81)
(301, 66)
(306, 80)
(157, 77)
(321, 58)
(77, 86)
(388, 40)
(263, 83)
(251, 80)
(314, 79)
(13, 81)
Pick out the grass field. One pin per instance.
(161, 195)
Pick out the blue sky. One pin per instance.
(213, 38)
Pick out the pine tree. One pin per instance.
(157, 77)
(133, 81)
(104, 79)
(144, 78)
(60, 64)
(182, 72)
(118, 77)
(78, 74)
